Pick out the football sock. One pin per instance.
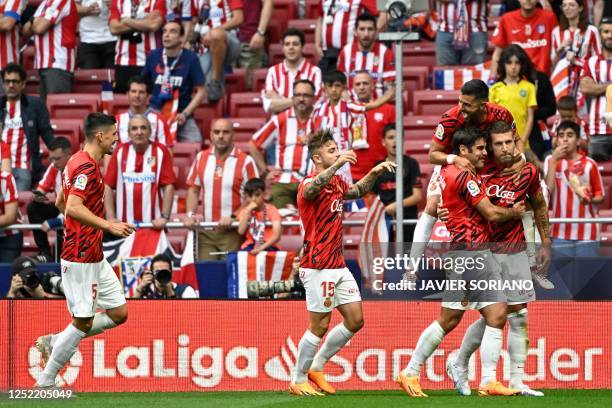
(428, 342)
(518, 344)
(471, 341)
(64, 348)
(489, 354)
(335, 340)
(100, 323)
(306, 351)
(422, 233)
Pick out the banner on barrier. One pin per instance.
(252, 345)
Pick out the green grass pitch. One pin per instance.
(351, 399)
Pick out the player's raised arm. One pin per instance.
(364, 186)
(499, 214)
(318, 183)
(77, 210)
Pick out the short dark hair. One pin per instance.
(12, 68)
(177, 21)
(365, 17)
(568, 124)
(567, 102)
(330, 77)
(96, 122)
(60, 142)
(254, 184)
(499, 127)
(138, 79)
(162, 258)
(305, 81)
(319, 139)
(387, 128)
(294, 32)
(467, 137)
(477, 88)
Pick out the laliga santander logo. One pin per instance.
(66, 376)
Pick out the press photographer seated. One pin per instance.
(156, 283)
(27, 284)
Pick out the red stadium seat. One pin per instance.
(244, 128)
(72, 129)
(204, 115)
(118, 104)
(247, 104)
(27, 57)
(434, 102)
(236, 81)
(72, 106)
(415, 79)
(275, 52)
(307, 26)
(188, 150)
(283, 12)
(420, 54)
(419, 128)
(312, 8)
(259, 79)
(33, 83)
(90, 80)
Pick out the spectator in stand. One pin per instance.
(568, 111)
(138, 95)
(529, 27)
(10, 17)
(42, 210)
(576, 189)
(54, 27)
(289, 131)
(136, 24)
(574, 37)
(11, 241)
(252, 36)
(218, 31)
(596, 77)
(140, 179)
(347, 120)
(156, 283)
(376, 119)
(335, 27)
(253, 217)
(367, 54)
(218, 176)
(24, 120)
(175, 73)
(280, 79)
(25, 282)
(97, 47)
(456, 46)
(514, 92)
(386, 183)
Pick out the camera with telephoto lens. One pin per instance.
(52, 283)
(163, 276)
(30, 278)
(133, 38)
(267, 289)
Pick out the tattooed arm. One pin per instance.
(540, 212)
(312, 189)
(364, 186)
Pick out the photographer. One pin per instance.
(27, 284)
(156, 283)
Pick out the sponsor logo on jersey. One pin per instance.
(131, 177)
(337, 205)
(495, 190)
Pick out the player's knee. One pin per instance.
(355, 324)
(121, 318)
(83, 325)
(496, 320)
(319, 330)
(448, 323)
(218, 35)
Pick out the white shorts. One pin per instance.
(329, 288)
(515, 268)
(433, 188)
(88, 286)
(466, 305)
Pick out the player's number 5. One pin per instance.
(328, 288)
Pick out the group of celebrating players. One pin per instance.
(482, 188)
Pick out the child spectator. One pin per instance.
(253, 218)
(568, 110)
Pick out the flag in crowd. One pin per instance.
(243, 267)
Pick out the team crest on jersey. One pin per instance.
(219, 171)
(151, 161)
(523, 93)
(81, 182)
(440, 132)
(541, 29)
(473, 188)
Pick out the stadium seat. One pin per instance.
(118, 104)
(415, 78)
(72, 106)
(247, 104)
(204, 115)
(245, 128)
(307, 26)
(283, 12)
(72, 129)
(236, 81)
(420, 54)
(33, 82)
(419, 128)
(90, 80)
(188, 150)
(27, 57)
(312, 8)
(433, 102)
(181, 166)
(275, 53)
(259, 79)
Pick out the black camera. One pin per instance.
(133, 38)
(52, 283)
(30, 278)
(163, 276)
(263, 289)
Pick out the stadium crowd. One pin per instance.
(182, 65)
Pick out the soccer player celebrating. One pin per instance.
(88, 279)
(511, 255)
(328, 282)
(472, 110)
(469, 210)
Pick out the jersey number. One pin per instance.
(94, 290)
(328, 288)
